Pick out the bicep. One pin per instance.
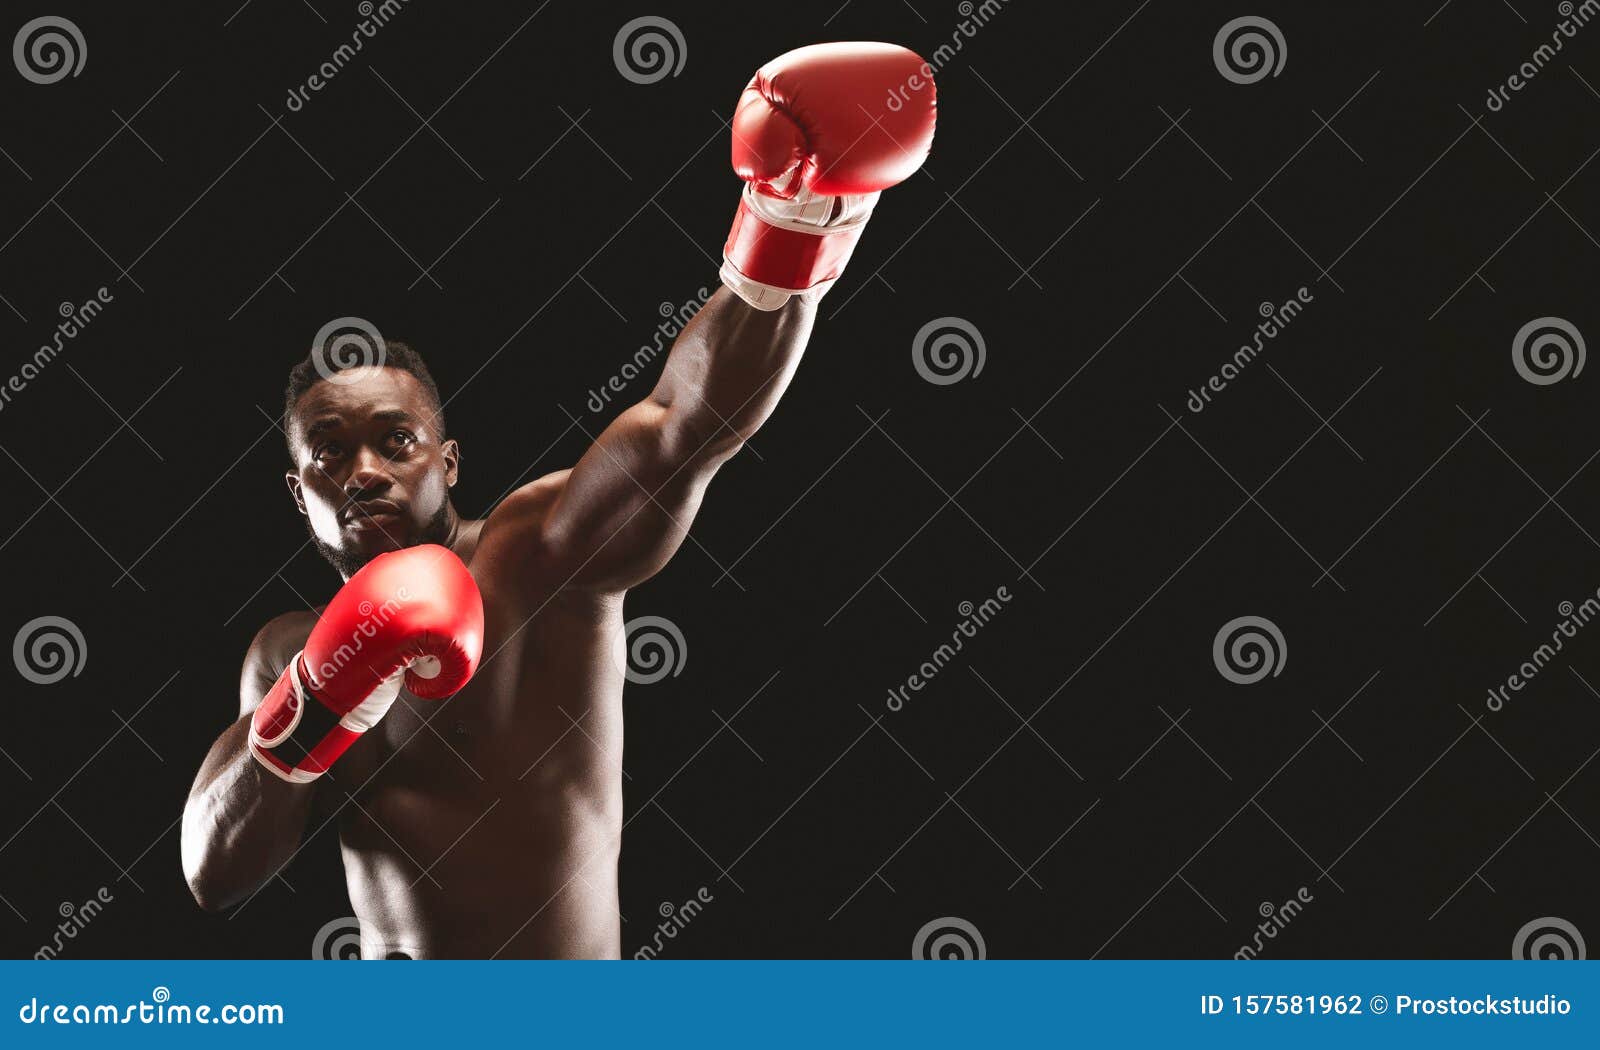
(255, 679)
(270, 651)
(624, 509)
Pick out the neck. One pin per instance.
(462, 538)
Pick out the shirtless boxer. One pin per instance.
(489, 822)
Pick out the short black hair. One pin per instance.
(319, 364)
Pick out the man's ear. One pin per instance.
(293, 480)
(452, 461)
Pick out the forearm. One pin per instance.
(626, 505)
(728, 369)
(240, 823)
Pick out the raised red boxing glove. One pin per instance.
(413, 615)
(817, 134)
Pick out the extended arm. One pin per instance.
(817, 134)
(627, 504)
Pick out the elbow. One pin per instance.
(212, 893)
(209, 902)
(202, 888)
(202, 885)
(200, 869)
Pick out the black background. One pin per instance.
(1128, 529)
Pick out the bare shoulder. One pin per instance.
(512, 540)
(520, 563)
(528, 504)
(269, 653)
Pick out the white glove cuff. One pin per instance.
(370, 711)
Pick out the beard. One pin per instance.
(348, 562)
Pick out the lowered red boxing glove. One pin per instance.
(818, 132)
(411, 615)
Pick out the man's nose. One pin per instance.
(370, 472)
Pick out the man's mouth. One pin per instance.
(371, 514)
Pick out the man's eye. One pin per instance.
(328, 451)
(402, 437)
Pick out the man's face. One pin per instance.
(371, 472)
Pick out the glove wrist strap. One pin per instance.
(770, 256)
(295, 735)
